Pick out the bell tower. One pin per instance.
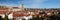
(22, 6)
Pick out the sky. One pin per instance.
(32, 3)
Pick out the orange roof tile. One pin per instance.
(17, 15)
(1, 12)
(3, 8)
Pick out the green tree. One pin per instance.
(0, 6)
(6, 17)
(58, 16)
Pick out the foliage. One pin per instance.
(6, 17)
(58, 16)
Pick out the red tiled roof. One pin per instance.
(17, 15)
(1, 12)
(3, 8)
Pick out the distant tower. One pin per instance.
(22, 6)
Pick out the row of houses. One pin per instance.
(16, 13)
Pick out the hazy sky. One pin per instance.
(32, 3)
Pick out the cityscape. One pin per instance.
(24, 12)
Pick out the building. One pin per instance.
(17, 13)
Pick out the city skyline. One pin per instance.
(32, 3)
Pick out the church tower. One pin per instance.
(22, 7)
